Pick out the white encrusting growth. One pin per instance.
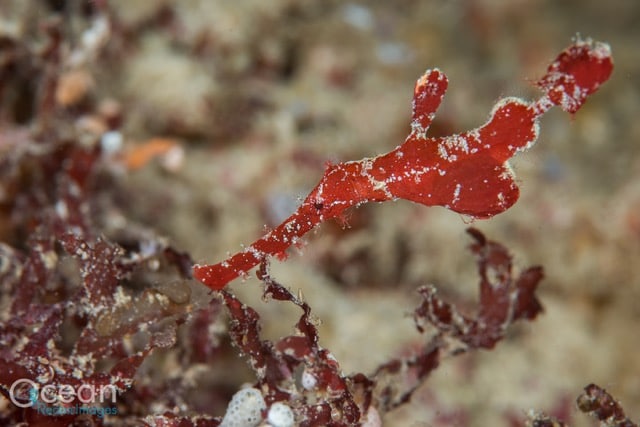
(456, 193)
(419, 131)
(450, 145)
(245, 409)
(542, 105)
(280, 415)
(308, 380)
(367, 165)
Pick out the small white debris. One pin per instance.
(357, 16)
(372, 418)
(96, 35)
(173, 159)
(111, 142)
(393, 53)
(280, 415)
(62, 210)
(245, 409)
(308, 380)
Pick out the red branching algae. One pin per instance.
(503, 299)
(602, 406)
(297, 370)
(276, 363)
(467, 173)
